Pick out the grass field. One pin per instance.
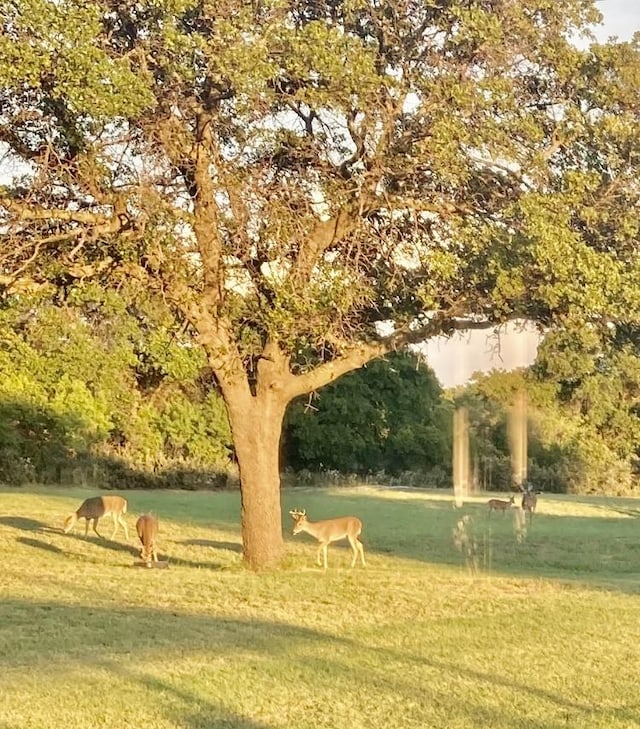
(545, 633)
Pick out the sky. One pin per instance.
(621, 18)
(455, 360)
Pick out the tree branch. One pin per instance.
(26, 212)
(352, 358)
(324, 235)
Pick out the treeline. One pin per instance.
(93, 391)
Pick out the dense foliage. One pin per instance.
(98, 393)
(94, 394)
(573, 447)
(387, 418)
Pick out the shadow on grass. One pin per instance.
(213, 544)
(134, 631)
(483, 716)
(134, 551)
(26, 524)
(602, 552)
(182, 562)
(599, 552)
(198, 713)
(320, 660)
(40, 545)
(104, 543)
(625, 511)
(219, 509)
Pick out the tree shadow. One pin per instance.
(182, 562)
(213, 544)
(397, 683)
(319, 658)
(625, 511)
(570, 548)
(27, 525)
(198, 713)
(40, 545)
(122, 632)
(104, 543)
(134, 551)
(136, 630)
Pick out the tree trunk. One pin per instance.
(257, 429)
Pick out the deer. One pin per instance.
(500, 504)
(93, 509)
(529, 502)
(147, 528)
(331, 530)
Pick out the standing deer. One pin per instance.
(500, 504)
(93, 509)
(331, 530)
(529, 502)
(147, 528)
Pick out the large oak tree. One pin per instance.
(310, 185)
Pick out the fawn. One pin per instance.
(91, 510)
(331, 530)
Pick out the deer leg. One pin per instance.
(318, 560)
(94, 523)
(124, 526)
(115, 526)
(357, 547)
(86, 528)
(354, 549)
(325, 549)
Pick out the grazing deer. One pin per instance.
(147, 528)
(331, 530)
(500, 504)
(529, 502)
(96, 507)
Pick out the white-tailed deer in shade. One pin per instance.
(529, 503)
(331, 530)
(500, 504)
(93, 509)
(147, 528)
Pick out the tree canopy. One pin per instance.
(309, 185)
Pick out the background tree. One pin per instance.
(388, 416)
(596, 374)
(570, 450)
(98, 390)
(290, 176)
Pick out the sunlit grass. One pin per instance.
(545, 633)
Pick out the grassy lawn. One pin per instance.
(545, 633)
